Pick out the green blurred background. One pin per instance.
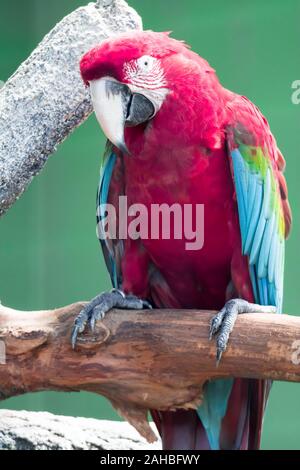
(49, 254)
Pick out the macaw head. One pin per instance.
(130, 77)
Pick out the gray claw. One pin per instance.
(218, 356)
(97, 314)
(216, 323)
(223, 322)
(74, 336)
(100, 305)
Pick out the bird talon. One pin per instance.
(99, 306)
(223, 322)
(92, 324)
(218, 357)
(74, 337)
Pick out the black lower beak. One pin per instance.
(139, 110)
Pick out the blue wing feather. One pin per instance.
(108, 247)
(261, 242)
(251, 197)
(241, 189)
(266, 247)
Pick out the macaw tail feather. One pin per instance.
(240, 428)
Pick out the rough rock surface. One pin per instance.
(45, 99)
(23, 430)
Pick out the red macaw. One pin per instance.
(177, 136)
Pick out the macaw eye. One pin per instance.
(145, 72)
(146, 62)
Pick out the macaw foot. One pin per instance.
(100, 305)
(223, 322)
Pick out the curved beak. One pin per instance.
(116, 107)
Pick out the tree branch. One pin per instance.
(45, 99)
(141, 360)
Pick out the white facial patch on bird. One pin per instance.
(145, 72)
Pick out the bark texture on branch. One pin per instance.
(45, 99)
(23, 430)
(141, 360)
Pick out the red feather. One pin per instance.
(181, 157)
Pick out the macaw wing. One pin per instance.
(109, 190)
(261, 194)
(265, 218)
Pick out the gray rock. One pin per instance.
(24, 430)
(45, 99)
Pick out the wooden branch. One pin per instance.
(141, 360)
(45, 99)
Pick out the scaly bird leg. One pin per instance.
(223, 322)
(100, 305)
